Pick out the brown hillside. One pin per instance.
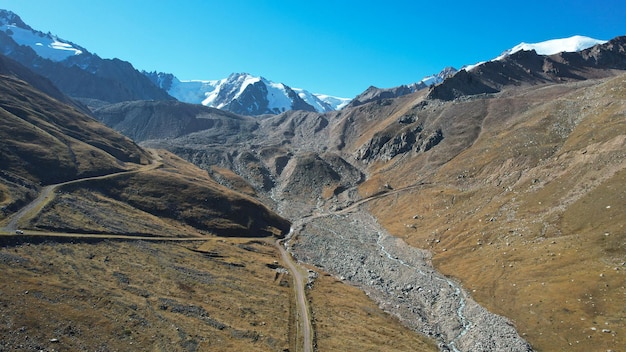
(518, 191)
(175, 200)
(45, 141)
(511, 175)
(519, 194)
(529, 214)
(54, 142)
(77, 291)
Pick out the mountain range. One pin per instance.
(97, 82)
(245, 94)
(74, 70)
(478, 210)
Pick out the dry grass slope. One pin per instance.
(45, 141)
(530, 218)
(175, 200)
(221, 295)
(347, 320)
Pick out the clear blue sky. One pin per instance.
(333, 47)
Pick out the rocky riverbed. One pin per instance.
(355, 248)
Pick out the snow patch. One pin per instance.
(277, 97)
(45, 45)
(336, 103)
(554, 46)
(548, 47)
(192, 91)
(313, 100)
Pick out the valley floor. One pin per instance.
(403, 282)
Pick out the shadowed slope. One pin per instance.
(145, 120)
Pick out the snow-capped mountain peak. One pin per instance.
(439, 77)
(548, 47)
(333, 103)
(266, 97)
(45, 45)
(554, 46)
(246, 94)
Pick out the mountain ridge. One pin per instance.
(246, 94)
(73, 69)
(528, 67)
(146, 120)
(549, 47)
(80, 74)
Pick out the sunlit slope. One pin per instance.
(530, 215)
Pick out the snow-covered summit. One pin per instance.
(554, 46)
(548, 47)
(45, 45)
(247, 94)
(335, 103)
(439, 77)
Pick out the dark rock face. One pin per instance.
(374, 94)
(529, 68)
(385, 146)
(463, 83)
(160, 79)
(298, 103)
(253, 100)
(311, 173)
(610, 55)
(432, 140)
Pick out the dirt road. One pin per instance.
(47, 193)
(43, 196)
(303, 319)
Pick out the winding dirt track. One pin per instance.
(43, 196)
(47, 191)
(303, 320)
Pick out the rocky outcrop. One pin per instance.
(310, 178)
(461, 84)
(373, 93)
(385, 147)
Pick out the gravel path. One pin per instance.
(403, 282)
(43, 196)
(303, 321)
(47, 192)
